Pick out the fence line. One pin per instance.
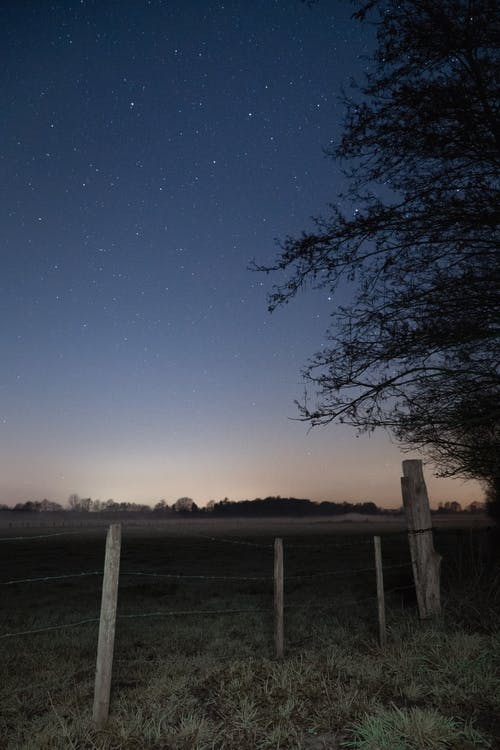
(134, 615)
(83, 531)
(233, 541)
(45, 536)
(340, 572)
(178, 576)
(51, 578)
(182, 576)
(331, 545)
(325, 545)
(110, 590)
(338, 602)
(49, 627)
(168, 613)
(171, 612)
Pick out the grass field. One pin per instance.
(207, 678)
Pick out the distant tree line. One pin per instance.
(290, 506)
(34, 506)
(260, 507)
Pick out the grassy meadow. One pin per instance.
(194, 665)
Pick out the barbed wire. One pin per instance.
(52, 578)
(179, 576)
(49, 627)
(234, 541)
(169, 612)
(345, 572)
(339, 602)
(225, 540)
(328, 573)
(182, 576)
(186, 577)
(41, 536)
(165, 613)
(328, 545)
(325, 545)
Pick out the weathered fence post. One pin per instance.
(380, 591)
(278, 597)
(426, 562)
(107, 626)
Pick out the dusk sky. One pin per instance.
(150, 149)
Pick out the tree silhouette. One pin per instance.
(417, 350)
(184, 505)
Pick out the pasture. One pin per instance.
(194, 664)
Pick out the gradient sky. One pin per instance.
(149, 151)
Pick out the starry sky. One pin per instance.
(149, 150)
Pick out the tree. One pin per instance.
(475, 507)
(450, 507)
(417, 350)
(74, 501)
(85, 504)
(49, 505)
(161, 507)
(492, 496)
(459, 429)
(77, 503)
(184, 505)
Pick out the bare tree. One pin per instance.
(74, 501)
(417, 350)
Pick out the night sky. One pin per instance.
(149, 151)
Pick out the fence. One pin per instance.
(111, 574)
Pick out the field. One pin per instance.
(194, 664)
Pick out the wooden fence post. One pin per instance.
(107, 626)
(426, 562)
(278, 597)
(380, 591)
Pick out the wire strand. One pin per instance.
(52, 578)
(40, 536)
(193, 612)
(50, 627)
(181, 576)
